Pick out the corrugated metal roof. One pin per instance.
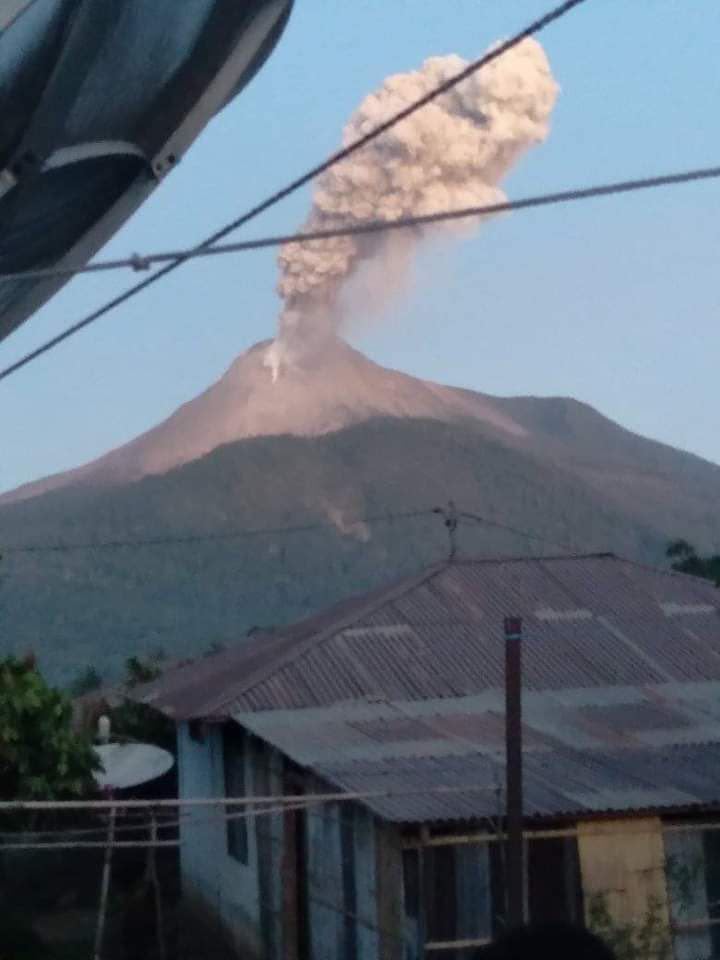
(617, 749)
(400, 691)
(590, 621)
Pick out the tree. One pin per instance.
(87, 681)
(143, 671)
(686, 560)
(138, 721)
(41, 757)
(648, 938)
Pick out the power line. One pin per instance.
(281, 800)
(253, 532)
(313, 805)
(146, 261)
(371, 227)
(485, 521)
(40, 839)
(534, 28)
(315, 876)
(35, 841)
(249, 532)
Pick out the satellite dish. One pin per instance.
(128, 765)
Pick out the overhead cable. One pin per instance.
(146, 261)
(283, 800)
(527, 534)
(253, 532)
(248, 532)
(532, 29)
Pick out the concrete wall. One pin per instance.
(623, 862)
(353, 882)
(342, 883)
(366, 884)
(325, 883)
(343, 869)
(245, 898)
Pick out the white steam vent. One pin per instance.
(451, 154)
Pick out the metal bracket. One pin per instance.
(220, 90)
(94, 150)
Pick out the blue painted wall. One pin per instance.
(340, 858)
(366, 884)
(229, 888)
(342, 901)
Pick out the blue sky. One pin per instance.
(615, 302)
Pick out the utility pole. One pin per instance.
(450, 517)
(515, 878)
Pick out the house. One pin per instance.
(393, 702)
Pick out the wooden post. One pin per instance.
(105, 886)
(155, 881)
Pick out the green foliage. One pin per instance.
(686, 560)
(41, 757)
(139, 671)
(110, 604)
(136, 721)
(87, 681)
(648, 939)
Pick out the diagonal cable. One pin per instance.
(533, 28)
(142, 262)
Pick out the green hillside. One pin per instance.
(77, 608)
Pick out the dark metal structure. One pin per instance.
(99, 100)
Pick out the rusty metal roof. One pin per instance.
(590, 621)
(589, 751)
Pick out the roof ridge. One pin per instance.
(524, 558)
(679, 574)
(317, 638)
(590, 555)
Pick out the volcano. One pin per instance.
(259, 502)
(334, 390)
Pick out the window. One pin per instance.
(692, 872)
(455, 894)
(554, 884)
(234, 769)
(196, 731)
(349, 882)
(711, 849)
(447, 897)
(441, 869)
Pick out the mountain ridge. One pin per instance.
(343, 387)
(553, 467)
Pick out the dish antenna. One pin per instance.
(126, 765)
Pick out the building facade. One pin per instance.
(392, 704)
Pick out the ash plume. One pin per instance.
(451, 154)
